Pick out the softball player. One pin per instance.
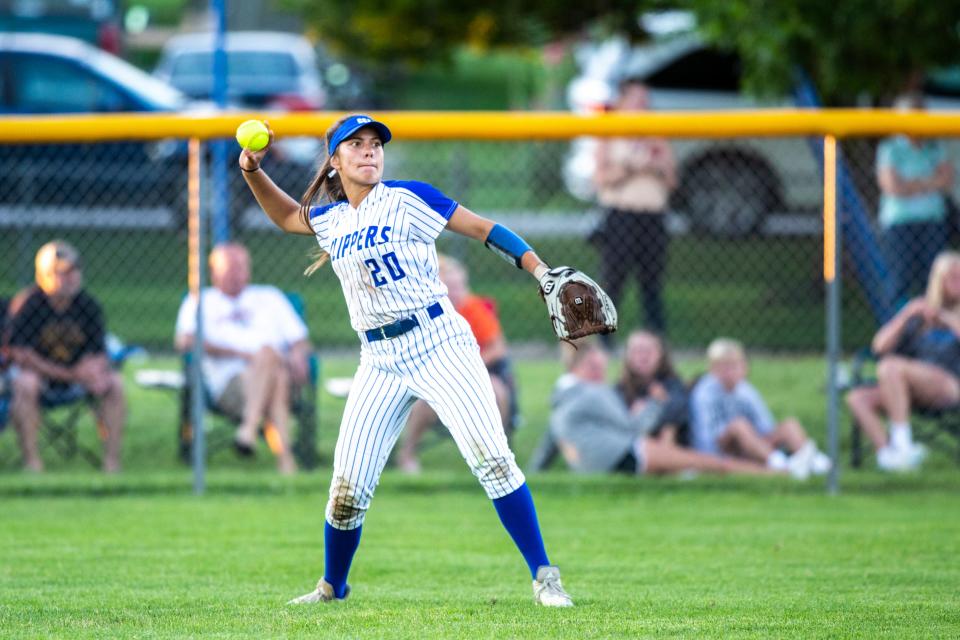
(379, 237)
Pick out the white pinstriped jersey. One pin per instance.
(384, 252)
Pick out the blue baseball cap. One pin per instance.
(353, 124)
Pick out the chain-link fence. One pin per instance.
(743, 233)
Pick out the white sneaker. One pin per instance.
(893, 459)
(777, 461)
(918, 453)
(323, 593)
(821, 464)
(799, 463)
(547, 589)
(409, 466)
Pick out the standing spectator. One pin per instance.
(913, 175)
(919, 351)
(481, 315)
(648, 374)
(634, 178)
(255, 346)
(596, 432)
(57, 344)
(729, 416)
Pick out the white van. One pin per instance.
(728, 186)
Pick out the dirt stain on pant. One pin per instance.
(346, 508)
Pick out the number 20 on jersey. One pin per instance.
(393, 269)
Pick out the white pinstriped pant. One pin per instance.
(439, 361)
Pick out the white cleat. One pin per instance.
(547, 589)
(323, 593)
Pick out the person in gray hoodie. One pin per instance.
(595, 432)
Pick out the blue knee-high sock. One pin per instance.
(339, 545)
(519, 517)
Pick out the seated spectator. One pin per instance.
(648, 374)
(481, 315)
(596, 432)
(919, 350)
(56, 341)
(728, 416)
(255, 346)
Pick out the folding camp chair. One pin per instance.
(60, 429)
(937, 428)
(221, 427)
(60, 420)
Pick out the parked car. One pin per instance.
(730, 186)
(265, 69)
(727, 187)
(349, 87)
(46, 74)
(49, 74)
(94, 21)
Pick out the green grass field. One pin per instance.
(138, 555)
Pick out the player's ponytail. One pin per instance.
(326, 185)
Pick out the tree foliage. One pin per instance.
(849, 48)
(418, 31)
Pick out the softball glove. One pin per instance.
(578, 307)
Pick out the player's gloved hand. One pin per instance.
(250, 160)
(578, 307)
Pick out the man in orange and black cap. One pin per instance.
(57, 344)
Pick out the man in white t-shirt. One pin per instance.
(255, 346)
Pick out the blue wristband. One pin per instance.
(506, 244)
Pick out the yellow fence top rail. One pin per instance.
(478, 125)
